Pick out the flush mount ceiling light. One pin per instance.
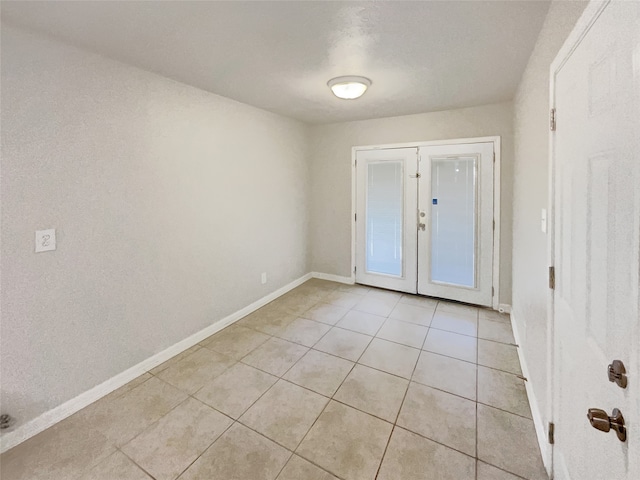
(349, 87)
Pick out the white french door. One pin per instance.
(387, 195)
(455, 240)
(424, 220)
(596, 246)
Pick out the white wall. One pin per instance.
(168, 203)
(331, 175)
(531, 128)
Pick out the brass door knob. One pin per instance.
(603, 422)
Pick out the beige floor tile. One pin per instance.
(503, 390)
(440, 416)
(235, 341)
(275, 356)
(487, 314)
(269, 320)
(304, 332)
(175, 359)
(456, 323)
(412, 314)
(65, 450)
(362, 322)
(411, 457)
(322, 284)
(419, 301)
(343, 343)
(299, 469)
(117, 466)
(374, 392)
(326, 313)
(193, 372)
(296, 303)
(239, 454)
(125, 417)
(343, 299)
(509, 442)
(236, 389)
(457, 308)
(169, 446)
(285, 413)
(346, 442)
(358, 289)
(316, 292)
(499, 355)
(496, 331)
(129, 386)
(383, 293)
(390, 357)
(489, 472)
(448, 374)
(320, 372)
(377, 305)
(451, 344)
(405, 333)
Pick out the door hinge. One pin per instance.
(494, 157)
(552, 120)
(551, 432)
(552, 278)
(493, 292)
(494, 224)
(355, 269)
(355, 217)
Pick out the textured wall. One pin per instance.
(168, 203)
(331, 174)
(531, 128)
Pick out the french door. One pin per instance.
(424, 220)
(386, 220)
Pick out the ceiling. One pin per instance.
(421, 55)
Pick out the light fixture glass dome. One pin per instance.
(349, 87)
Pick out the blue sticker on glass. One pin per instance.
(434, 201)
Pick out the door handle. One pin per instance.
(603, 422)
(617, 373)
(421, 226)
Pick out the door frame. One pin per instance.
(589, 16)
(496, 140)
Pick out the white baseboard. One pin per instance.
(333, 278)
(538, 421)
(23, 432)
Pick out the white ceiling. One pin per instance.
(421, 56)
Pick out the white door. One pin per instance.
(455, 240)
(596, 198)
(386, 219)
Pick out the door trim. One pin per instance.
(496, 140)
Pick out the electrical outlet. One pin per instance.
(45, 240)
(263, 278)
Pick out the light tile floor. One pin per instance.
(327, 382)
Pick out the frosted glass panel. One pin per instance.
(453, 220)
(385, 193)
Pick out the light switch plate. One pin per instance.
(45, 240)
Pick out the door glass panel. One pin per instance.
(384, 203)
(453, 220)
